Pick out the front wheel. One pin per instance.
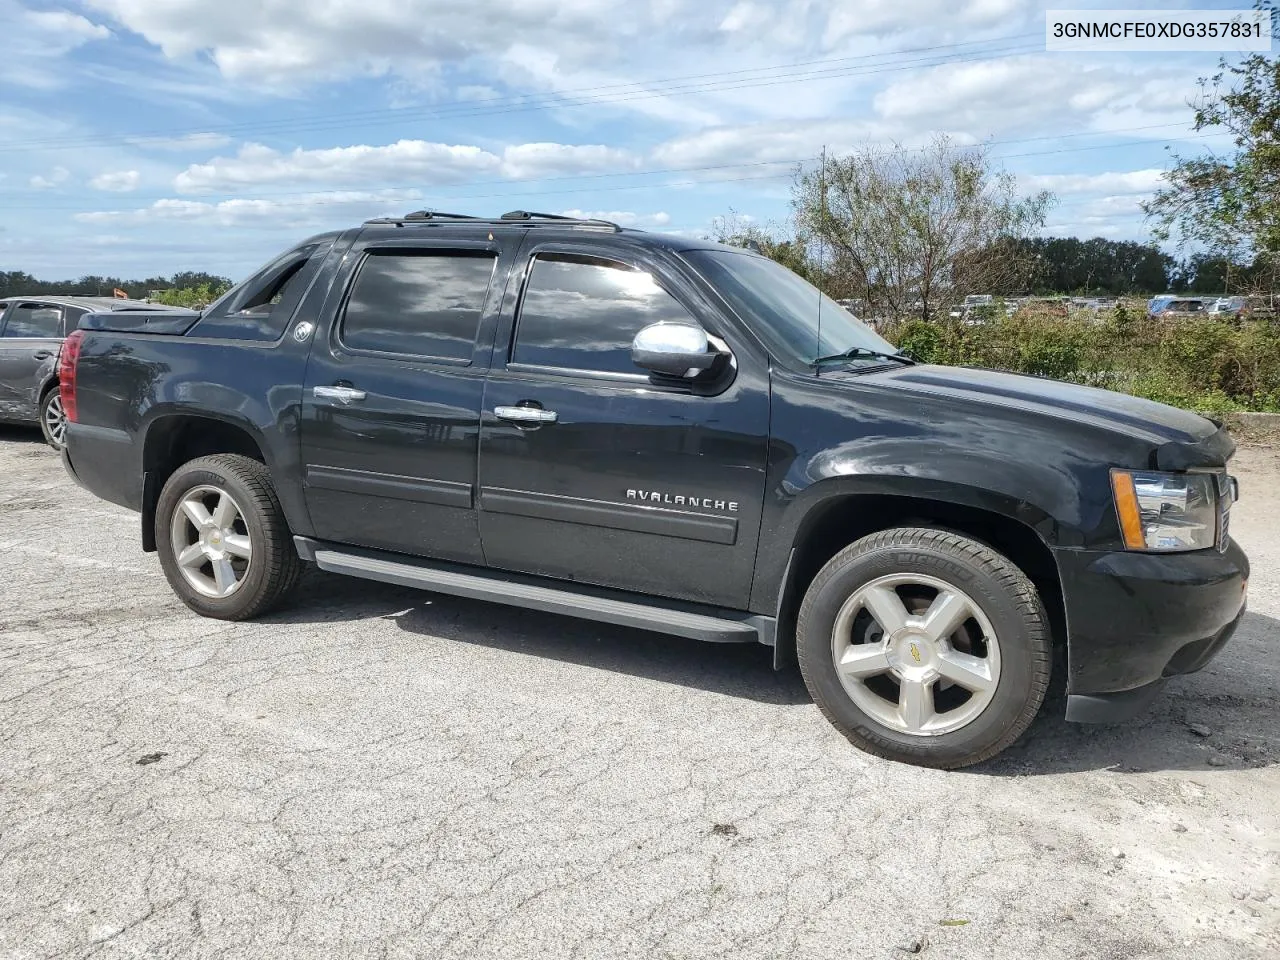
(53, 421)
(925, 646)
(223, 540)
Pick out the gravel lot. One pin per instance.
(383, 773)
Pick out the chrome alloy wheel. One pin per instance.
(916, 654)
(211, 542)
(55, 421)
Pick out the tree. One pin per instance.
(1229, 205)
(914, 231)
(1096, 266)
(773, 241)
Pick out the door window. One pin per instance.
(424, 304)
(582, 313)
(34, 320)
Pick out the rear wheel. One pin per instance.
(223, 541)
(53, 421)
(925, 646)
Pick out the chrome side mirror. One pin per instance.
(673, 349)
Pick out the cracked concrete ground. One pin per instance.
(377, 772)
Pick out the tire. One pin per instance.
(925, 692)
(53, 422)
(239, 561)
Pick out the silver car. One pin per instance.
(31, 333)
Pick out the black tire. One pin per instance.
(1005, 596)
(49, 399)
(272, 572)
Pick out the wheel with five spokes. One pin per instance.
(925, 646)
(223, 540)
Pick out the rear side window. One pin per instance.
(424, 304)
(582, 313)
(34, 320)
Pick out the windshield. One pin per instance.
(784, 308)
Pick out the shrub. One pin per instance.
(1202, 363)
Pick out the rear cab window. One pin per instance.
(423, 303)
(261, 307)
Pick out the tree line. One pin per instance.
(19, 283)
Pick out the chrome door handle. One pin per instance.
(525, 414)
(341, 394)
(42, 355)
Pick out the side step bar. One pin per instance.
(627, 610)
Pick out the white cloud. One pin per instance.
(405, 161)
(34, 40)
(306, 210)
(1130, 182)
(1042, 91)
(55, 178)
(532, 160)
(69, 26)
(282, 41)
(883, 17)
(118, 181)
(780, 140)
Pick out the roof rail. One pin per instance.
(417, 215)
(522, 217)
(526, 215)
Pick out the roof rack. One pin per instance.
(418, 215)
(524, 217)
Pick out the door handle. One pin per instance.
(525, 414)
(42, 355)
(341, 394)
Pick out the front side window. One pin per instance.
(581, 313)
(34, 320)
(418, 304)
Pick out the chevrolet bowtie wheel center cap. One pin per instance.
(912, 654)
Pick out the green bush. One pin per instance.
(1209, 364)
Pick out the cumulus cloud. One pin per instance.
(275, 41)
(419, 162)
(531, 160)
(118, 181)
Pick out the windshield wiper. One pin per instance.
(854, 353)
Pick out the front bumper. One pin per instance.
(1135, 619)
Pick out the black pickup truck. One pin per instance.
(668, 434)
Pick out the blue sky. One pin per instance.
(146, 136)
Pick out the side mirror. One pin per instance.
(673, 349)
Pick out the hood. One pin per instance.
(1181, 438)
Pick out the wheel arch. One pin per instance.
(832, 522)
(170, 440)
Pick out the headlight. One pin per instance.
(1166, 511)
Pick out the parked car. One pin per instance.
(31, 333)
(1229, 306)
(1173, 306)
(652, 431)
